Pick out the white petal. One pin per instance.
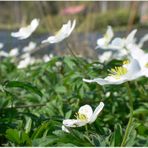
(130, 37)
(142, 40)
(134, 70)
(86, 110)
(25, 32)
(105, 81)
(65, 129)
(73, 123)
(117, 43)
(109, 33)
(72, 27)
(96, 112)
(14, 52)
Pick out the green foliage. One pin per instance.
(35, 100)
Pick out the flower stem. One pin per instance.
(77, 60)
(86, 128)
(131, 115)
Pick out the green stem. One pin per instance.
(77, 59)
(86, 128)
(131, 115)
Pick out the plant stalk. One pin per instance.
(131, 115)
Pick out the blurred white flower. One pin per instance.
(26, 32)
(63, 33)
(103, 42)
(58, 63)
(1, 45)
(84, 116)
(3, 54)
(129, 71)
(28, 60)
(47, 58)
(13, 52)
(31, 46)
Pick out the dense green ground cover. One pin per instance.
(35, 100)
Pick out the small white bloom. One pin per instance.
(3, 54)
(28, 60)
(129, 71)
(14, 52)
(103, 42)
(47, 58)
(31, 46)
(63, 33)
(84, 116)
(26, 32)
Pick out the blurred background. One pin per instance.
(92, 17)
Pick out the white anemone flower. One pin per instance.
(63, 33)
(129, 71)
(103, 42)
(26, 32)
(31, 46)
(27, 60)
(47, 58)
(84, 116)
(14, 52)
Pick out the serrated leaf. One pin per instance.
(23, 85)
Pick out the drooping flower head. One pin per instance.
(26, 32)
(63, 33)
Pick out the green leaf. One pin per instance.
(116, 138)
(18, 137)
(23, 85)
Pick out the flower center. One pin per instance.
(146, 65)
(80, 116)
(117, 72)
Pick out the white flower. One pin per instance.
(3, 54)
(63, 33)
(13, 52)
(84, 116)
(25, 32)
(28, 60)
(129, 71)
(103, 42)
(31, 46)
(47, 58)
(1, 45)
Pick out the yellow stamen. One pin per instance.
(146, 65)
(126, 62)
(117, 72)
(80, 116)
